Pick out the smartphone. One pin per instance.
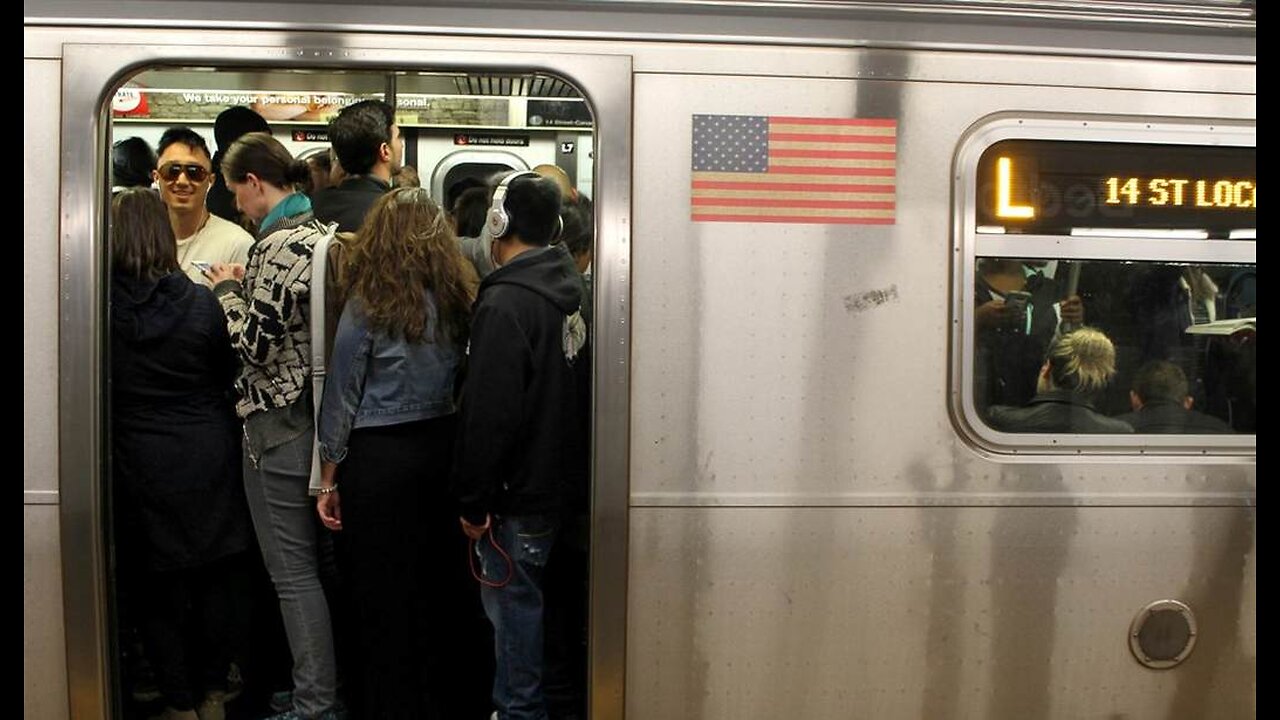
(202, 266)
(1017, 301)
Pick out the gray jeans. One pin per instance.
(283, 519)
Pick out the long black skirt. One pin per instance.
(425, 650)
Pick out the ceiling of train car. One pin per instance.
(531, 85)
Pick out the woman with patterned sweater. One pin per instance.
(264, 303)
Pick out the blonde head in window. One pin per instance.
(1078, 366)
(1083, 361)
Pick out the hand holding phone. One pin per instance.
(1016, 303)
(202, 266)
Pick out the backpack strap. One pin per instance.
(319, 356)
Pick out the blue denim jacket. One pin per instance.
(377, 380)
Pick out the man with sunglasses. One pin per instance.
(184, 174)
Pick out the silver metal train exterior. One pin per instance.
(793, 515)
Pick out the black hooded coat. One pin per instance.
(523, 438)
(175, 438)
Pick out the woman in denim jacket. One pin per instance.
(265, 303)
(386, 437)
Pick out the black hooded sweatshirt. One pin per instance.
(522, 439)
(179, 499)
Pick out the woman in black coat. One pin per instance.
(180, 517)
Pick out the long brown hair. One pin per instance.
(405, 247)
(142, 244)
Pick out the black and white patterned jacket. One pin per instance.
(267, 315)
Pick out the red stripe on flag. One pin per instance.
(801, 170)
(809, 187)
(815, 219)
(789, 203)
(823, 137)
(852, 154)
(868, 122)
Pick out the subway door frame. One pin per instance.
(91, 73)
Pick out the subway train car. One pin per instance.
(802, 505)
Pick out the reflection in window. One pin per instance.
(1165, 347)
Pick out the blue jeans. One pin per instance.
(283, 517)
(515, 609)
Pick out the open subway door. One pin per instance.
(596, 153)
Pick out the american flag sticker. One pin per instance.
(754, 168)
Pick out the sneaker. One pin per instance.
(280, 701)
(213, 706)
(145, 689)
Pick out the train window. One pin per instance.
(1175, 354)
(1106, 294)
(462, 169)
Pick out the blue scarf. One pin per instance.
(295, 204)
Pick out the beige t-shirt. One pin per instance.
(217, 241)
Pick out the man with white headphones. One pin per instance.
(516, 470)
(478, 250)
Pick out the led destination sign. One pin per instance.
(1182, 192)
(1049, 187)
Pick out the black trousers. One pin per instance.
(191, 626)
(565, 591)
(421, 633)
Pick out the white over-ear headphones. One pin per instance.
(498, 221)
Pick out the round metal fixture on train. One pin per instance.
(1163, 634)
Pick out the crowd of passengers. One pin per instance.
(1039, 368)
(422, 519)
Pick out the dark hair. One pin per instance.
(236, 122)
(1160, 380)
(321, 160)
(142, 244)
(265, 157)
(186, 136)
(533, 204)
(579, 233)
(470, 210)
(453, 193)
(132, 161)
(357, 133)
(408, 177)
